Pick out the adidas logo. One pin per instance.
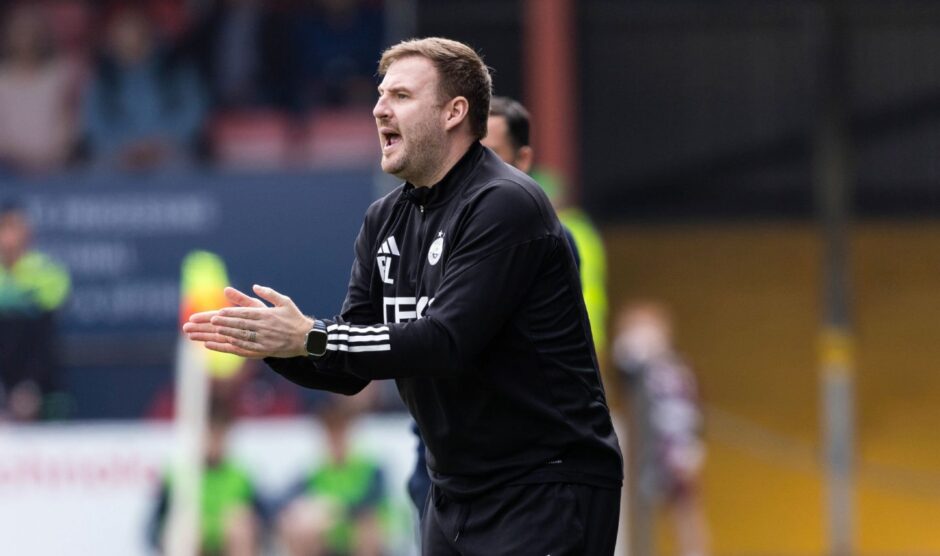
(388, 249)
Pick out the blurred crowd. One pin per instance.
(338, 506)
(154, 84)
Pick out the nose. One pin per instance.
(380, 110)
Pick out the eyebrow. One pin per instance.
(395, 89)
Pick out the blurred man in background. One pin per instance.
(336, 45)
(508, 136)
(145, 105)
(507, 133)
(244, 54)
(32, 289)
(232, 513)
(667, 420)
(337, 509)
(591, 251)
(38, 89)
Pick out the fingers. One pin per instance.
(247, 342)
(229, 341)
(237, 340)
(235, 322)
(247, 313)
(236, 298)
(190, 327)
(271, 296)
(221, 330)
(204, 316)
(240, 334)
(199, 328)
(208, 337)
(199, 332)
(240, 299)
(234, 349)
(250, 328)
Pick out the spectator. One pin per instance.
(37, 94)
(337, 509)
(669, 422)
(337, 42)
(590, 248)
(32, 288)
(232, 513)
(243, 55)
(145, 105)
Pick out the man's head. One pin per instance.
(644, 331)
(219, 423)
(434, 101)
(15, 233)
(509, 132)
(337, 414)
(130, 35)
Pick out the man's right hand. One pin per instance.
(200, 327)
(252, 329)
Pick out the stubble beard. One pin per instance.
(422, 157)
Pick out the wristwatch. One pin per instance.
(316, 339)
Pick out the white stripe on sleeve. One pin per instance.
(357, 349)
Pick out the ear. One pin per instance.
(456, 112)
(524, 158)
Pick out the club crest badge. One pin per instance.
(437, 248)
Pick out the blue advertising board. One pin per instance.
(123, 239)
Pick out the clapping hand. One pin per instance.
(251, 328)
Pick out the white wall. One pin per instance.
(89, 488)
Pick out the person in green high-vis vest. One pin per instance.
(232, 512)
(591, 251)
(509, 138)
(32, 289)
(340, 507)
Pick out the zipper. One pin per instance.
(416, 268)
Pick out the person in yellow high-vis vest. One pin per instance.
(593, 256)
(32, 288)
(509, 138)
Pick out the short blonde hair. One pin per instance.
(461, 70)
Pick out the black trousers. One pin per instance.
(549, 519)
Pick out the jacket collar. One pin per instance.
(443, 190)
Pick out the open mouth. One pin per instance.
(390, 139)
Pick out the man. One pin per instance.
(465, 291)
(232, 513)
(338, 508)
(144, 106)
(32, 289)
(508, 136)
(508, 133)
(668, 426)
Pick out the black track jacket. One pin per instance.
(468, 295)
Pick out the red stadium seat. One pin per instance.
(251, 140)
(340, 138)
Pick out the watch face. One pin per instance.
(316, 342)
